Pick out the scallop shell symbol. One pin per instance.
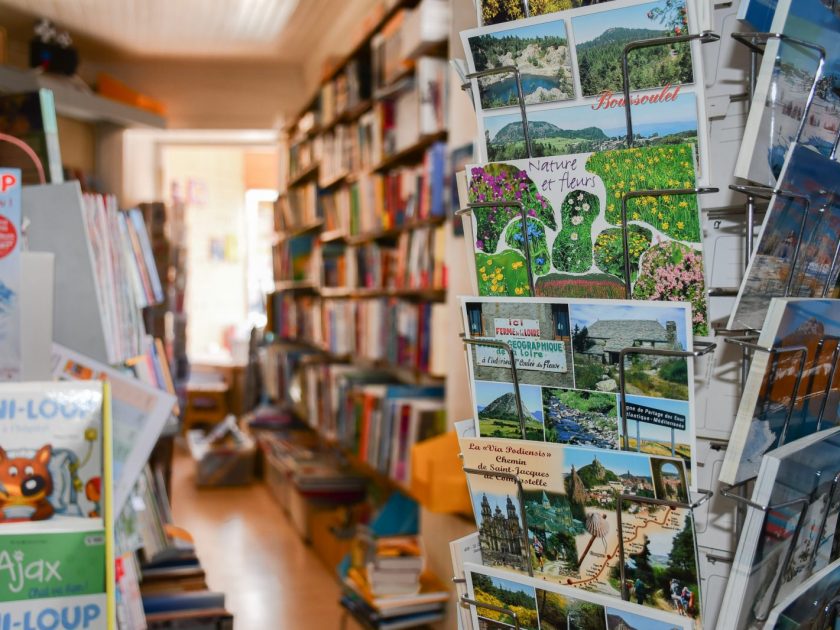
(598, 526)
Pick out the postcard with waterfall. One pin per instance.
(567, 355)
(582, 509)
(569, 64)
(573, 205)
(781, 547)
(796, 251)
(785, 81)
(778, 406)
(543, 605)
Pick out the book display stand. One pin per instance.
(789, 363)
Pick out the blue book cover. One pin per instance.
(758, 14)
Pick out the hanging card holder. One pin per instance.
(520, 499)
(466, 601)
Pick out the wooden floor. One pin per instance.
(251, 553)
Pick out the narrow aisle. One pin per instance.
(251, 553)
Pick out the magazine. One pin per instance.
(584, 509)
(567, 354)
(777, 405)
(570, 73)
(574, 234)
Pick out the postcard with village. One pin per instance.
(567, 355)
(569, 65)
(574, 234)
(580, 512)
(542, 605)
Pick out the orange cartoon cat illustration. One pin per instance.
(25, 486)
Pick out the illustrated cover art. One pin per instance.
(11, 244)
(571, 532)
(776, 403)
(795, 536)
(51, 451)
(570, 71)
(573, 203)
(784, 84)
(567, 360)
(772, 269)
(544, 605)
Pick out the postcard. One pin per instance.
(544, 605)
(777, 404)
(796, 249)
(783, 545)
(567, 354)
(805, 607)
(570, 72)
(785, 82)
(581, 511)
(498, 12)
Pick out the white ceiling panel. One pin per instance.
(190, 28)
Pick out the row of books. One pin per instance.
(298, 206)
(349, 89)
(370, 415)
(295, 316)
(298, 259)
(350, 149)
(417, 260)
(125, 273)
(396, 332)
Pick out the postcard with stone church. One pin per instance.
(580, 511)
(567, 354)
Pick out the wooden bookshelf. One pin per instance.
(299, 230)
(305, 174)
(409, 154)
(369, 237)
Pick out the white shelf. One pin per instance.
(75, 101)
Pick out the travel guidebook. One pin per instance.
(784, 83)
(809, 174)
(781, 547)
(806, 605)
(574, 228)
(567, 359)
(571, 500)
(543, 605)
(11, 244)
(570, 70)
(769, 399)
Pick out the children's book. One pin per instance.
(543, 605)
(778, 406)
(809, 603)
(784, 263)
(11, 245)
(140, 412)
(570, 69)
(581, 511)
(785, 82)
(51, 451)
(567, 354)
(574, 233)
(782, 546)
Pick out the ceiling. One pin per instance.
(278, 29)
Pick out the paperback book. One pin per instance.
(51, 451)
(778, 406)
(574, 234)
(796, 250)
(570, 69)
(544, 605)
(11, 245)
(786, 81)
(567, 354)
(582, 512)
(795, 536)
(139, 412)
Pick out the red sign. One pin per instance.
(8, 237)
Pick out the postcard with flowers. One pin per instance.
(575, 235)
(569, 58)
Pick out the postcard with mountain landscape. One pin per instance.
(570, 71)
(806, 209)
(782, 89)
(573, 203)
(783, 545)
(543, 605)
(571, 533)
(777, 407)
(567, 362)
